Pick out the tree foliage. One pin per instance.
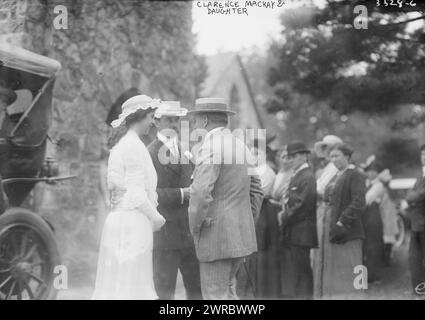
(372, 70)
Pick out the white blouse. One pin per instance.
(132, 176)
(267, 177)
(325, 177)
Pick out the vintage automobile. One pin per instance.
(28, 250)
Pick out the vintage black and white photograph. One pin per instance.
(212, 150)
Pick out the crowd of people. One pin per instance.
(283, 228)
(350, 208)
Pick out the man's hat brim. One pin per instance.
(299, 151)
(229, 112)
(180, 113)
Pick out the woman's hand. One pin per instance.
(116, 195)
(338, 233)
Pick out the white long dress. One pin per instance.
(125, 258)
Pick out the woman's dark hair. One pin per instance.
(137, 116)
(115, 109)
(117, 133)
(344, 148)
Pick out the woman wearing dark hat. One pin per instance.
(373, 247)
(343, 232)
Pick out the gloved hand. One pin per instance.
(338, 234)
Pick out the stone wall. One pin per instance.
(109, 47)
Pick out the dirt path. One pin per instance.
(395, 284)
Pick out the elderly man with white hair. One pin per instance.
(221, 205)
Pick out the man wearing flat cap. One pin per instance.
(173, 245)
(298, 226)
(222, 201)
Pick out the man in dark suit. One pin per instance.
(173, 245)
(298, 226)
(416, 213)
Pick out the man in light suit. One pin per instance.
(222, 202)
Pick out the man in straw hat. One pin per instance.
(173, 244)
(221, 201)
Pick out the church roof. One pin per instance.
(218, 65)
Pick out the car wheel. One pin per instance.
(28, 256)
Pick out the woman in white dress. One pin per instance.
(125, 258)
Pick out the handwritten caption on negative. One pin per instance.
(226, 7)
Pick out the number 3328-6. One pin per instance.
(398, 3)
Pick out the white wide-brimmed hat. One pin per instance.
(139, 102)
(327, 141)
(170, 109)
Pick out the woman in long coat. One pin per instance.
(343, 231)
